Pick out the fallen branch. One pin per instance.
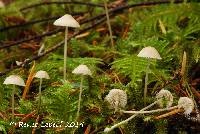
(54, 47)
(36, 21)
(61, 2)
(111, 12)
(23, 120)
(32, 38)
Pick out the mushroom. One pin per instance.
(165, 98)
(186, 104)
(66, 21)
(117, 99)
(14, 80)
(81, 70)
(149, 53)
(161, 95)
(41, 75)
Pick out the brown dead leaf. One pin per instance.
(29, 80)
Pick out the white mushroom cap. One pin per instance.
(187, 104)
(42, 74)
(82, 69)
(149, 52)
(67, 21)
(14, 80)
(166, 98)
(117, 99)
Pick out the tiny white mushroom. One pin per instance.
(81, 70)
(14, 80)
(165, 98)
(149, 53)
(187, 104)
(184, 104)
(117, 99)
(66, 21)
(41, 75)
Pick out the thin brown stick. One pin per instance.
(23, 120)
(36, 21)
(168, 114)
(32, 38)
(54, 47)
(61, 2)
(115, 10)
(36, 122)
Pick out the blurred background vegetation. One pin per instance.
(172, 27)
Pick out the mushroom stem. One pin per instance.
(13, 101)
(130, 118)
(108, 23)
(65, 52)
(151, 111)
(79, 100)
(40, 95)
(146, 81)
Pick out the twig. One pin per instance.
(53, 48)
(36, 21)
(130, 118)
(61, 2)
(115, 10)
(32, 38)
(36, 122)
(23, 120)
(91, 19)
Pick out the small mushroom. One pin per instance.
(81, 70)
(66, 21)
(165, 98)
(162, 94)
(117, 99)
(41, 75)
(187, 104)
(149, 53)
(14, 80)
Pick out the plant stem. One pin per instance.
(108, 23)
(13, 101)
(146, 82)
(40, 95)
(130, 118)
(151, 111)
(65, 53)
(79, 100)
